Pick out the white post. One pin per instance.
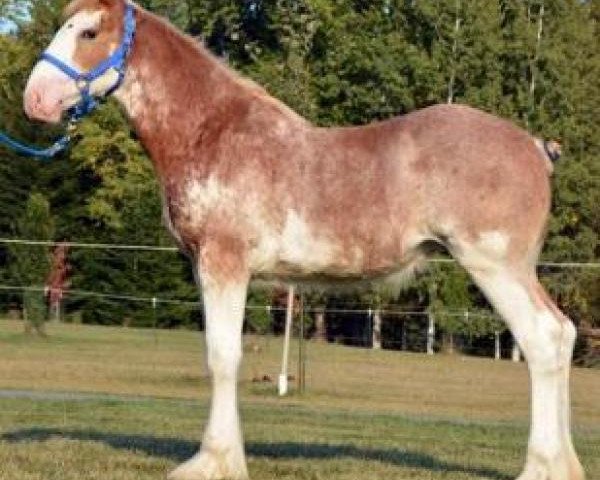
(516, 352)
(320, 327)
(430, 334)
(376, 332)
(289, 315)
(56, 312)
(497, 352)
(451, 82)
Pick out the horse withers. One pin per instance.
(252, 190)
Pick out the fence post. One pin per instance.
(430, 333)
(283, 376)
(516, 352)
(24, 314)
(154, 303)
(55, 311)
(376, 333)
(320, 327)
(497, 352)
(301, 353)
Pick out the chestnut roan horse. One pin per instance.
(252, 190)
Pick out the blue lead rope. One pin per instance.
(29, 151)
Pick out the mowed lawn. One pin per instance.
(365, 414)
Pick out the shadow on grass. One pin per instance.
(179, 450)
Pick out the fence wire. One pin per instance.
(347, 322)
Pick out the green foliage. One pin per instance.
(259, 319)
(365, 69)
(336, 62)
(123, 172)
(34, 311)
(29, 266)
(449, 296)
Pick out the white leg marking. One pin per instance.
(222, 453)
(547, 343)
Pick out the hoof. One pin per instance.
(211, 466)
(540, 468)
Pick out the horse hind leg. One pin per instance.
(546, 337)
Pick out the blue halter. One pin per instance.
(83, 80)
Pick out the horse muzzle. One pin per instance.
(40, 104)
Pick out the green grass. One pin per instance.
(366, 415)
(144, 439)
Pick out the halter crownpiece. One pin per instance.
(83, 80)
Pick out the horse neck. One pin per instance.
(175, 92)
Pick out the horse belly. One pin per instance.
(304, 250)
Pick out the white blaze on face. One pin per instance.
(64, 44)
(49, 90)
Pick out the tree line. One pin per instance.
(337, 62)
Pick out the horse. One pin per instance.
(251, 190)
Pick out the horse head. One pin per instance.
(85, 60)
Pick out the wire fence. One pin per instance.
(150, 304)
(389, 328)
(344, 352)
(159, 248)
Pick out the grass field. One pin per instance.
(365, 415)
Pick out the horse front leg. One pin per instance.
(222, 453)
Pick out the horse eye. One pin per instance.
(89, 34)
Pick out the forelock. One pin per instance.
(77, 6)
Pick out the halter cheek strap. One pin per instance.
(83, 80)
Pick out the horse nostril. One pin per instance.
(40, 104)
(36, 98)
(34, 105)
(33, 100)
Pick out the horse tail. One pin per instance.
(550, 150)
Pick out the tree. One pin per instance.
(283, 67)
(567, 101)
(536, 62)
(31, 265)
(364, 68)
(258, 316)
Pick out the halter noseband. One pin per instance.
(116, 61)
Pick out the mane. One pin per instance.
(199, 49)
(194, 48)
(78, 5)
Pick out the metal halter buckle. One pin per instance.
(82, 84)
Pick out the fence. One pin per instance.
(91, 298)
(389, 328)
